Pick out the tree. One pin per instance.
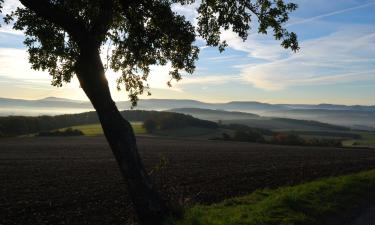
(150, 125)
(66, 38)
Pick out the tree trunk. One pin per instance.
(149, 206)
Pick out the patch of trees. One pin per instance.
(244, 133)
(168, 120)
(312, 123)
(19, 125)
(245, 128)
(249, 135)
(338, 134)
(294, 139)
(61, 133)
(150, 125)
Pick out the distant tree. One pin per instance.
(288, 139)
(225, 136)
(61, 133)
(66, 37)
(150, 125)
(249, 135)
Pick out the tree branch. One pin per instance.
(58, 16)
(103, 21)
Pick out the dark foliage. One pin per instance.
(18, 125)
(312, 123)
(58, 133)
(287, 139)
(329, 134)
(167, 120)
(249, 136)
(150, 125)
(225, 136)
(294, 139)
(245, 128)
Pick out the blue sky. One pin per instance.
(336, 63)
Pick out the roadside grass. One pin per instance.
(96, 129)
(327, 201)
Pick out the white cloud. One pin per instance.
(347, 55)
(14, 64)
(257, 45)
(211, 79)
(10, 5)
(189, 11)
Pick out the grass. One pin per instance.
(367, 140)
(188, 132)
(313, 203)
(96, 129)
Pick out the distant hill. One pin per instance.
(355, 116)
(215, 115)
(166, 104)
(253, 120)
(45, 102)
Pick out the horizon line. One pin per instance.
(171, 99)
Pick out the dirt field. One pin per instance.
(76, 180)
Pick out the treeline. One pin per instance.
(167, 120)
(244, 133)
(61, 133)
(312, 123)
(295, 139)
(19, 125)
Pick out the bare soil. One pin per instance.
(75, 180)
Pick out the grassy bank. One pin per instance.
(328, 200)
(96, 129)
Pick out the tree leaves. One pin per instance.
(142, 33)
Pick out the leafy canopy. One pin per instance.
(139, 33)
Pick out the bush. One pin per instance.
(294, 139)
(249, 135)
(58, 133)
(225, 136)
(287, 139)
(324, 142)
(150, 125)
(242, 127)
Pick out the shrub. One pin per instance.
(287, 139)
(249, 135)
(58, 133)
(225, 136)
(150, 125)
(294, 139)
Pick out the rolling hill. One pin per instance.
(356, 116)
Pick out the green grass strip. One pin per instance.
(96, 129)
(314, 203)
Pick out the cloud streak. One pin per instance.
(326, 60)
(311, 19)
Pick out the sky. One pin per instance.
(336, 62)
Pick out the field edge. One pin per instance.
(335, 200)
